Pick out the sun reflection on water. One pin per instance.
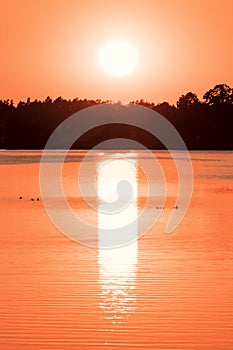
(117, 277)
(118, 267)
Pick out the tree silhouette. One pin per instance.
(202, 125)
(221, 93)
(187, 101)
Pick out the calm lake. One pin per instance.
(163, 291)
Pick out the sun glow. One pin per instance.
(118, 58)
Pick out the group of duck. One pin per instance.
(32, 199)
(175, 207)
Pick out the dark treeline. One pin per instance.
(205, 124)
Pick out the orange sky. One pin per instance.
(51, 47)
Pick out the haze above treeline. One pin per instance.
(203, 124)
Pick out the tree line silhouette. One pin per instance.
(205, 124)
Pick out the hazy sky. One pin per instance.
(50, 47)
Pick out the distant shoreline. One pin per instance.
(112, 150)
(202, 125)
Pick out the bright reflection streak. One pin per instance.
(117, 277)
(118, 267)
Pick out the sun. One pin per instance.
(118, 58)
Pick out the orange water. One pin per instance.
(163, 292)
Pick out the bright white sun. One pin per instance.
(118, 58)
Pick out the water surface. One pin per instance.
(161, 292)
